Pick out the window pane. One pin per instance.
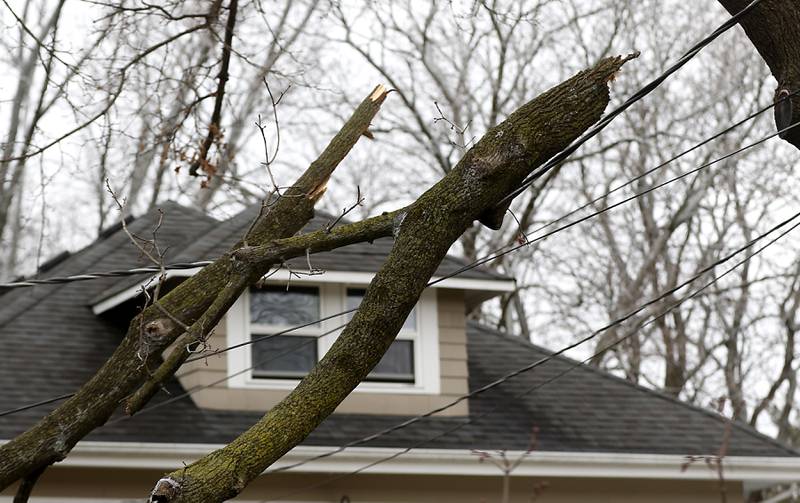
(274, 305)
(354, 296)
(284, 356)
(397, 365)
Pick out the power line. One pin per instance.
(107, 274)
(638, 95)
(546, 359)
(519, 371)
(37, 404)
(669, 161)
(502, 252)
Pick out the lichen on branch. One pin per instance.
(429, 226)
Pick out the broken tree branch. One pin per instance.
(52, 438)
(427, 228)
(214, 128)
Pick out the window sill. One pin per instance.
(364, 387)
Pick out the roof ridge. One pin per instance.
(744, 427)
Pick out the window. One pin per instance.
(397, 365)
(274, 309)
(410, 365)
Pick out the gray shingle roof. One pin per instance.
(360, 257)
(51, 343)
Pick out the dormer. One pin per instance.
(425, 367)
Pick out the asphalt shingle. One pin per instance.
(52, 343)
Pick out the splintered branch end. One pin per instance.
(166, 490)
(379, 94)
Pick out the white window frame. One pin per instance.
(333, 299)
(253, 329)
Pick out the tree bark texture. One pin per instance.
(774, 29)
(424, 231)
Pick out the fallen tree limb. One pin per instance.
(51, 439)
(427, 228)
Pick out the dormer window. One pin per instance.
(274, 309)
(411, 365)
(397, 365)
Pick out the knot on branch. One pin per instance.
(158, 329)
(61, 448)
(166, 490)
(152, 334)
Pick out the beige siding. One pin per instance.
(60, 483)
(452, 361)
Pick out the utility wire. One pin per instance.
(37, 404)
(560, 352)
(501, 252)
(638, 95)
(107, 274)
(498, 253)
(516, 373)
(667, 162)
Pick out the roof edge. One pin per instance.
(746, 428)
(495, 286)
(166, 456)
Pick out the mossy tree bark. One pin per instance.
(774, 29)
(427, 228)
(204, 296)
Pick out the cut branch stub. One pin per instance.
(166, 489)
(774, 29)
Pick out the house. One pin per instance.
(595, 437)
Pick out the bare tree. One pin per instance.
(646, 249)
(34, 95)
(457, 72)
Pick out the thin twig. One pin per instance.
(359, 202)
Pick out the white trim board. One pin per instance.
(352, 278)
(427, 380)
(158, 456)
